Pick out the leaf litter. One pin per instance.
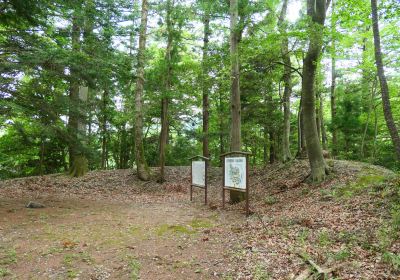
(294, 226)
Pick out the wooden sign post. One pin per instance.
(198, 175)
(236, 174)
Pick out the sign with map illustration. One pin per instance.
(199, 173)
(235, 172)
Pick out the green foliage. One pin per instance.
(324, 238)
(260, 273)
(303, 236)
(174, 229)
(4, 272)
(393, 259)
(342, 255)
(39, 66)
(270, 200)
(7, 256)
(134, 266)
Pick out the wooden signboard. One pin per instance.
(198, 175)
(236, 174)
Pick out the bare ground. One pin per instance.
(109, 225)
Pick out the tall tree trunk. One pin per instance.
(142, 168)
(301, 144)
(318, 115)
(205, 79)
(104, 150)
(235, 88)
(235, 196)
(265, 151)
(165, 100)
(89, 45)
(73, 94)
(321, 119)
(76, 122)
(272, 153)
(80, 164)
(316, 9)
(123, 151)
(333, 83)
(375, 131)
(287, 80)
(370, 107)
(387, 110)
(221, 126)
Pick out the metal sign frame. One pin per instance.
(205, 187)
(226, 188)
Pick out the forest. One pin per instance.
(122, 83)
(104, 102)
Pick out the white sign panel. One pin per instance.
(235, 172)
(199, 173)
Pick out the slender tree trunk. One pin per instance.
(272, 154)
(301, 145)
(41, 156)
(142, 169)
(165, 100)
(387, 110)
(221, 126)
(76, 122)
(80, 163)
(370, 107)
(104, 130)
(375, 131)
(235, 89)
(321, 118)
(265, 152)
(333, 83)
(316, 9)
(287, 80)
(205, 79)
(317, 116)
(73, 95)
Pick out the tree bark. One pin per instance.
(165, 99)
(333, 84)
(316, 9)
(76, 124)
(287, 80)
(301, 145)
(370, 107)
(104, 150)
(235, 196)
(272, 154)
(141, 164)
(387, 110)
(221, 126)
(321, 118)
(235, 88)
(205, 79)
(73, 94)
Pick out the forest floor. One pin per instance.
(110, 225)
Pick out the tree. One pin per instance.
(235, 89)
(205, 78)
(387, 109)
(333, 82)
(287, 80)
(77, 95)
(316, 10)
(167, 88)
(142, 169)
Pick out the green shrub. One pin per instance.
(270, 200)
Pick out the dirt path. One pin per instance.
(80, 239)
(110, 225)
